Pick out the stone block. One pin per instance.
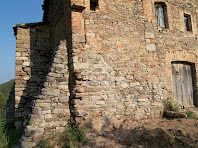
(63, 99)
(57, 111)
(46, 112)
(48, 116)
(44, 105)
(33, 131)
(78, 38)
(26, 77)
(63, 87)
(150, 47)
(18, 114)
(25, 144)
(149, 35)
(57, 60)
(51, 92)
(22, 59)
(18, 124)
(134, 84)
(36, 110)
(58, 65)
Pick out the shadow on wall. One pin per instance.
(30, 81)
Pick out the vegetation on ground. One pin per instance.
(9, 136)
(190, 114)
(73, 137)
(169, 105)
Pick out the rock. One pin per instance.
(28, 144)
(149, 35)
(150, 47)
(78, 38)
(32, 131)
(172, 114)
(51, 92)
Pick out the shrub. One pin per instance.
(171, 106)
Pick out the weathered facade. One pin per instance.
(104, 61)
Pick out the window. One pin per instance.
(93, 4)
(161, 15)
(187, 22)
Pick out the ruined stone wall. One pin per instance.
(50, 110)
(32, 61)
(124, 66)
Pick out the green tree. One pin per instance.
(2, 101)
(5, 88)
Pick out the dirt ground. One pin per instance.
(151, 133)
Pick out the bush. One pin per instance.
(171, 106)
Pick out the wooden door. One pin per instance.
(182, 76)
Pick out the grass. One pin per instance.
(171, 106)
(44, 144)
(73, 137)
(191, 114)
(9, 135)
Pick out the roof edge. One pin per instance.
(28, 25)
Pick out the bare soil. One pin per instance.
(151, 133)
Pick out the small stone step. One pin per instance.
(171, 114)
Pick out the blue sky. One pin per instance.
(14, 12)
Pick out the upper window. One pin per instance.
(161, 15)
(93, 4)
(187, 22)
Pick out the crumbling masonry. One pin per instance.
(103, 60)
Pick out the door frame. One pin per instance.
(194, 79)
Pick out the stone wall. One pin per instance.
(32, 62)
(50, 111)
(102, 66)
(124, 66)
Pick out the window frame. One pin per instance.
(94, 4)
(163, 7)
(188, 22)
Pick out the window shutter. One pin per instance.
(161, 17)
(157, 16)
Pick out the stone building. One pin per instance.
(104, 61)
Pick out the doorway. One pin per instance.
(184, 83)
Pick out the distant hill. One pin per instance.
(2, 101)
(5, 88)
